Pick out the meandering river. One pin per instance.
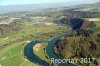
(30, 55)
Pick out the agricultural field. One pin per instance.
(97, 29)
(11, 47)
(39, 19)
(97, 22)
(40, 51)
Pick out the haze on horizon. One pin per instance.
(21, 2)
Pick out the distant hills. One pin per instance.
(28, 7)
(72, 4)
(88, 7)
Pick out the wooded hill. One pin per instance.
(80, 44)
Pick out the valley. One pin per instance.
(19, 29)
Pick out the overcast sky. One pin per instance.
(16, 2)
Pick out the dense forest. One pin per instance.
(80, 44)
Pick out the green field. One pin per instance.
(97, 22)
(97, 28)
(42, 53)
(12, 55)
(11, 47)
(39, 19)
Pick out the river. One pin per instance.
(30, 55)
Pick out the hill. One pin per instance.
(89, 7)
(80, 44)
(28, 7)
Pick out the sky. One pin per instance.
(17, 2)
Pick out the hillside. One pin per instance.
(80, 44)
(89, 7)
(29, 7)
